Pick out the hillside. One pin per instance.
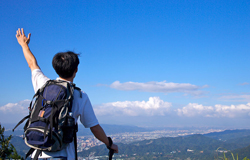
(243, 141)
(229, 134)
(194, 146)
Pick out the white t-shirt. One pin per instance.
(80, 107)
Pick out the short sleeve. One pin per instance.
(84, 110)
(38, 79)
(88, 119)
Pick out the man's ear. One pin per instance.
(74, 75)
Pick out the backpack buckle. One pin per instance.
(45, 102)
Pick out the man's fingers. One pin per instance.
(22, 31)
(19, 32)
(29, 35)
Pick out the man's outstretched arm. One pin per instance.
(24, 41)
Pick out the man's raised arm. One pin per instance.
(24, 41)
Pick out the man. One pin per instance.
(66, 66)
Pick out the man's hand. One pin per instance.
(100, 135)
(24, 41)
(21, 38)
(115, 148)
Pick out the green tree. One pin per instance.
(7, 150)
(15, 155)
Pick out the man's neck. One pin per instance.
(67, 79)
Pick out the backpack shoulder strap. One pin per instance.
(77, 88)
(28, 116)
(38, 152)
(29, 152)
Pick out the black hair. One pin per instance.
(65, 63)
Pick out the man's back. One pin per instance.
(66, 66)
(81, 106)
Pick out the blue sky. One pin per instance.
(146, 63)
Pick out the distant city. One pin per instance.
(86, 142)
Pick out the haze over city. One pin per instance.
(143, 63)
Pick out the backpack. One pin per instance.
(50, 125)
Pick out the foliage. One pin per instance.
(225, 158)
(7, 150)
(15, 155)
(6, 147)
(19, 145)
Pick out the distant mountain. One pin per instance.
(17, 132)
(196, 142)
(20, 146)
(109, 129)
(180, 145)
(243, 141)
(229, 134)
(113, 129)
(194, 146)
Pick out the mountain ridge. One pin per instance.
(196, 143)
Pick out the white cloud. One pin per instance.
(165, 87)
(16, 108)
(14, 112)
(194, 109)
(240, 98)
(232, 111)
(154, 106)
